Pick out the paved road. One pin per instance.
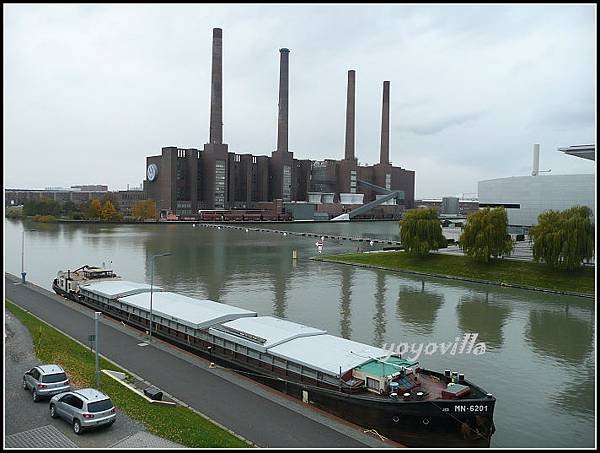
(28, 424)
(267, 418)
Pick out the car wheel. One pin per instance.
(35, 396)
(76, 426)
(52, 411)
(24, 385)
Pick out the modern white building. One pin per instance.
(526, 197)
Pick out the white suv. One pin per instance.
(84, 408)
(46, 380)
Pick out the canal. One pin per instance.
(539, 359)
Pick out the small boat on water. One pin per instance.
(67, 283)
(374, 388)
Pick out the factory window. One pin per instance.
(219, 183)
(287, 183)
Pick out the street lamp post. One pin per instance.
(96, 316)
(152, 285)
(23, 273)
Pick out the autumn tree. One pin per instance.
(94, 209)
(109, 212)
(421, 231)
(144, 209)
(485, 234)
(563, 239)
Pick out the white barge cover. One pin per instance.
(327, 353)
(195, 313)
(263, 332)
(114, 289)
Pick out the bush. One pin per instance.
(44, 218)
(14, 213)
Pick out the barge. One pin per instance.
(365, 385)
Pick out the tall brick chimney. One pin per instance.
(282, 120)
(384, 154)
(216, 91)
(350, 115)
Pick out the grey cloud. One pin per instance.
(434, 126)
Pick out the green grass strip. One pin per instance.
(175, 423)
(530, 274)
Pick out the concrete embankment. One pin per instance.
(452, 277)
(300, 233)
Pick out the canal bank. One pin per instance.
(371, 260)
(245, 407)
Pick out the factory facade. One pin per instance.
(185, 181)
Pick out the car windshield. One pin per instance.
(58, 377)
(99, 406)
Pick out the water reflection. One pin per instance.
(476, 314)
(560, 334)
(379, 316)
(580, 394)
(345, 299)
(279, 278)
(418, 307)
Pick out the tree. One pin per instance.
(144, 209)
(485, 234)
(69, 207)
(43, 206)
(109, 212)
(112, 197)
(94, 209)
(563, 239)
(421, 231)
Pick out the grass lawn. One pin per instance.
(501, 271)
(175, 423)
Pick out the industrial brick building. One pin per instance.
(185, 181)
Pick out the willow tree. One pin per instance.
(485, 235)
(563, 239)
(421, 231)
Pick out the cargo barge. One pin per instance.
(363, 384)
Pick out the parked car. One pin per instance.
(84, 409)
(46, 380)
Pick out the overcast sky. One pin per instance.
(90, 91)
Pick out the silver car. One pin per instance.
(84, 408)
(46, 380)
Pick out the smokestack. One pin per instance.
(384, 155)
(282, 120)
(350, 118)
(216, 92)
(536, 159)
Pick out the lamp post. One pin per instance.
(151, 286)
(23, 273)
(96, 316)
